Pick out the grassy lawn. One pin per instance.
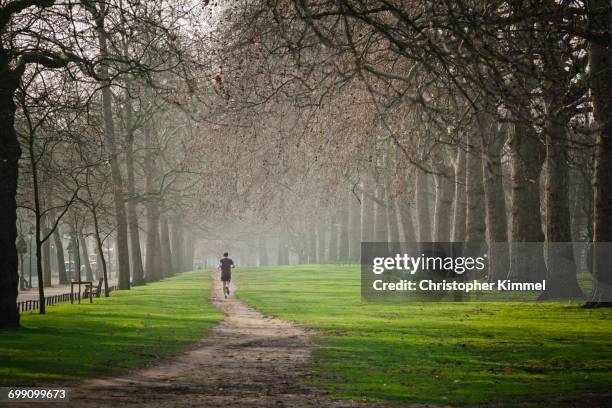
(447, 353)
(127, 330)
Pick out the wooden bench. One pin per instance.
(96, 291)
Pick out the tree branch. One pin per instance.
(18, 6)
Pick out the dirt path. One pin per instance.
(248, 360)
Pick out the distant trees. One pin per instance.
(501, 94)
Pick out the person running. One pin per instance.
(226, 264)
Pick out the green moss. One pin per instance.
(446, 353)
(126, 330)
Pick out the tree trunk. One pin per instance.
(354, 228)
(404, 208)
(600, 61)
(381, 232)
(343, 238)
(459, 208)
(153, 267)
(85, 259)
(474, 192)
(475, 228)
(59, 253)
(99, 244)
(392, 220)
(177, 245)
(132, 210)
(38, 232)
(10, 152)
(123, 257)
(153, 261)
(526, 154)
(561, 282)
(39, 272)
(495, 205)
(311, 238)
(321, 239)
(39, 223)
(333, 237)
(76, 254)
(99, 272)
(444, 202)
(423, 217)
(166, 252)
(46, 254)
(302, 247)
(367, 213)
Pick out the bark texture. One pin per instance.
(343, 237)
(474, 192)
(59, 254)
(561, 281)
(132, 203)
(405, 209)
(367, 213)
(153, 267)
(459, 208)
(85, 258)
(423, 207)
(166, 252)
(600, 61)
(526, 154)
(443, 209)
(495, 204)
(123, 257)
(178, 250)
(46, 254)
(354, 228)
(381, 233)
(10, 152)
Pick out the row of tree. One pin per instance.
(95, 142)
(463, 121)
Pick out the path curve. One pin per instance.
(247, 360)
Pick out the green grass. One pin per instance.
(126, 330)
(446, 353)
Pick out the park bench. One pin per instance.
(95, 291)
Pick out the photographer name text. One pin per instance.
(501, 285)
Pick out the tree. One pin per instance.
(600, 61)
(40, 33)
(13, 63)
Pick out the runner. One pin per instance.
(226, 264)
